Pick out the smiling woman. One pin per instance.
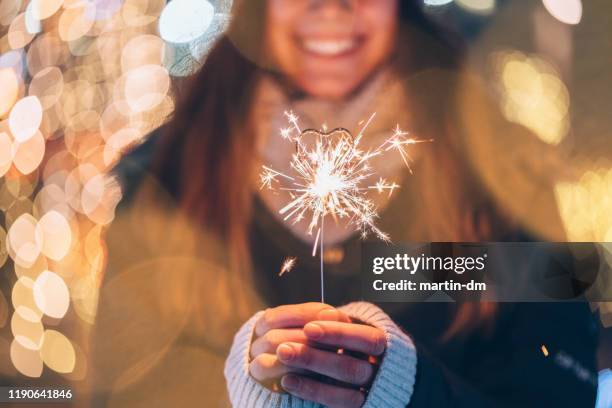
(195, 245)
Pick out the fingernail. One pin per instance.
(290, 382)
(285, 352)
(313, 331)
(328, 314)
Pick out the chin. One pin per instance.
(328, 89)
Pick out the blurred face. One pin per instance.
(328, 48)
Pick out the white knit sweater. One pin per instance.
(392, 387)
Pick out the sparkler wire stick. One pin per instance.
(321, 258)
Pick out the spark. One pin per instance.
(544, 350)
(329, 177)
(287, 266)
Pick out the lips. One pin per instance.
(330, 48)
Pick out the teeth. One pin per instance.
(329, 47)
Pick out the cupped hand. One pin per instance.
(280, 325)
(296, 341)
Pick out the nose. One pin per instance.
(331, 8)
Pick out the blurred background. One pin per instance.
(81, 81)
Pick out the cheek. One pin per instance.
(382, 35)
(280, 18)
(382, 21)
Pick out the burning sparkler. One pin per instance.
(330, 177)
(288, 265)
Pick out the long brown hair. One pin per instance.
(209, 142)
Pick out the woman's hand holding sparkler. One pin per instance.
(293, 342)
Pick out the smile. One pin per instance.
(330, 48)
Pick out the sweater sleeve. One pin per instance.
(392, 387)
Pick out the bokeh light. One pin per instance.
(566, 11)
(57, 352)
(25, 118)
(533, 94)
(437, 2)
(42, 9)
(80, 83)
(51, 294)
(54, 234)
(9, 90)
(586, 206)
(183, 21)
(478, 6)
(28, 362)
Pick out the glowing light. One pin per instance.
(6, 153)
(21, 240)
(42, 9)
(32, 273)
(9, 90)
(51, 198)
(26, 361)
(99, 197)
(46, 51)
(57, 352)
(287, 266)
(331, 178)
(585, 206)
(137, 13)
(119, 142)
(146, 87)
(55, 235)
(22, 298)
(142, 50)
(47, 85)
(4, 307)
(566, 11)
(9, 10)
(61, 87)
(51, 294)
(437, 2)
(25, 118)
(76, 21)
(183, 21)
(28, 155)
(544, 350)
(3, 253)
(533, 95)
(478, 6)
(12, 59)
(18, 35)
(32, 24)
(27, 328)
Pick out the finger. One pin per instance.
(266, 367)
(325, 394)
(270, 341)
(340, 367)
(287, 316)
(356, 337)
